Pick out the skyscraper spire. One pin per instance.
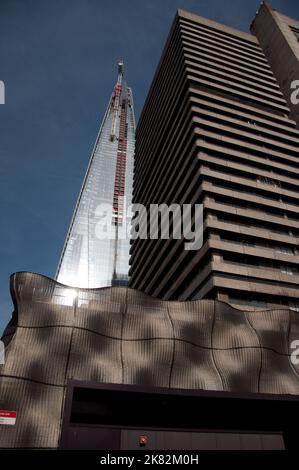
(120, 70)
(89, 258)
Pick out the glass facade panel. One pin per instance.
(88, 260)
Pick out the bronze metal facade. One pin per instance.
(122, 336)
(215, 129)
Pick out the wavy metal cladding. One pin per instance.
(120, 335)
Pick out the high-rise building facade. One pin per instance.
(215, 129)
(278, 35)
(94, 255)
(112, 368)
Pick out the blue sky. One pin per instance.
(58, 61)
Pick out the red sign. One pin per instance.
(8, 417)
(143, 441)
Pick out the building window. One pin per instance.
(295, 31)
(288, 270)
(294, 306)
(284, 249)
(249, 302)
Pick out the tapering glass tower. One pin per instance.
(94, 254)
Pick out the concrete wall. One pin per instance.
(281, 49)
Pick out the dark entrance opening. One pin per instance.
(110, 417)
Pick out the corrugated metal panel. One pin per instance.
(147, 362)
(120, 335)
(194, 367)
(94, 357)
(38, 409)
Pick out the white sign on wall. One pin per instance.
(8, 417)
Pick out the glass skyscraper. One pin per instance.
(96, 250)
